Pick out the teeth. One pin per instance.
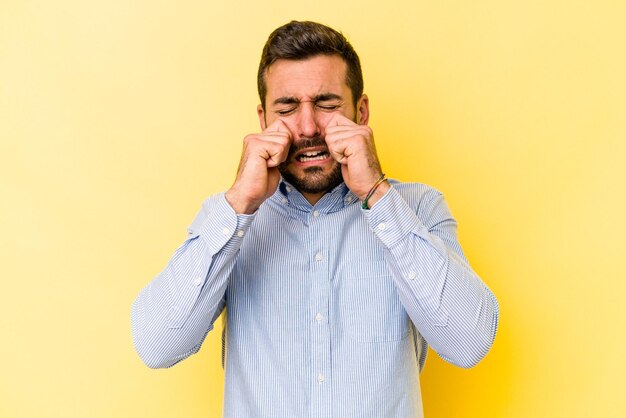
(313, 156)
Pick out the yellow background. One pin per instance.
(117, 118)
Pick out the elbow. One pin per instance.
(471, 356)
(150, 356)
(153, 360)
(483, 343)
(165, 360)
(157, 363)
(471, 360)
(152, 363)
(484, 339)
(158, 348)
(478, 344)
(151, 353)
(158, 351)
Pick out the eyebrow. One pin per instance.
(319, 98)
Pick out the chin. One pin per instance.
(313, 179)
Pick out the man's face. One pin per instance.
(304, 95)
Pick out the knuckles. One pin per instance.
(361, 135)
(272, 148)
(247, 139)
(266, 140)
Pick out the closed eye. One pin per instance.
(285, 112)
(329, 107)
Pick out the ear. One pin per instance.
(363, 110)
(261, 113)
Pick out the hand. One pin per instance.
(258, 175)
(352, 145)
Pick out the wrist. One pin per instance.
(369, 199)
(240, 205)
(378, 193)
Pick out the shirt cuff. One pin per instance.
(392, 219)
(220, 227)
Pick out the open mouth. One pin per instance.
(308, 156)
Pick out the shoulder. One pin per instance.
(415, 192)
(424, 200)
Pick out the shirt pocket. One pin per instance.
(372, 310)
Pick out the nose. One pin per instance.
(308, 125)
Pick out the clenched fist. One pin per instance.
(352, 145)
(258, 175)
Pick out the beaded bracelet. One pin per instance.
(372, 190)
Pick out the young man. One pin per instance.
(334, 279)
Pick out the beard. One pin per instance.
(314, 180)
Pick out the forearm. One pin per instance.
(448, 303)
(174, 312)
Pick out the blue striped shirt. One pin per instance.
(330, 308)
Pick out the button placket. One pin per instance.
(318, 237)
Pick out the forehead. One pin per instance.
(307, 78)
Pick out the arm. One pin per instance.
(448, 303)
(174, 312)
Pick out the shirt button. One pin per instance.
(349, 199)
(320, 378)
(319, 257)
(284, 200)
(319, 317)
(382, 226)
(225, 231)
(288, 188)
(411, 275)
(240, 233)
(316, 213)
(198, 281)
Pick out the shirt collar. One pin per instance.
(288, 196)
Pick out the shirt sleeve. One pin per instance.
(172, 315)
(447, 302)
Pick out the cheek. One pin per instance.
(287, 120)
(291, 123)
(323, 118)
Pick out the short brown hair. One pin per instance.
(303, 40)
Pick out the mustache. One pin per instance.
(308, 142)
